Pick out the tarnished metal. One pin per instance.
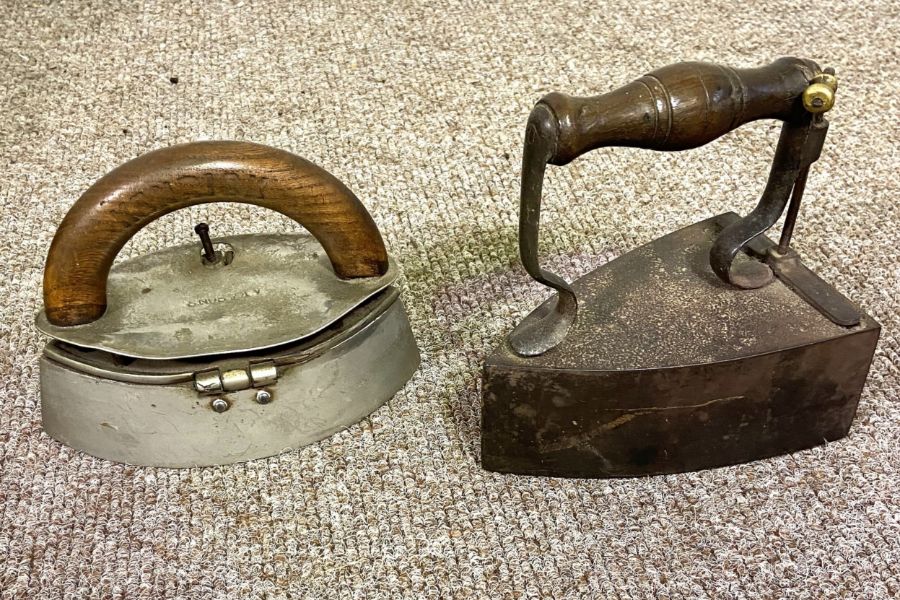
(241, 348)
(263, 373)
(235, 379)
(254, 375)
(812, 288)
(208, 382)
(207, 379)
(790, 220)
(800, 145)
(542, 333)
(209, 252)
(278, 288)
(819, 97)
(172, 425)
(707, 347)
(667, 369)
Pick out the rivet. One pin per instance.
(219, 405)
(263, 396)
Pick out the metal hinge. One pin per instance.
(255, 375)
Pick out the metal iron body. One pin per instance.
(163, 413)
(710, 346)
(224, 351)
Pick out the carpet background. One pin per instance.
(420, 109)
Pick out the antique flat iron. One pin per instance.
(230, 349)
(710, 346)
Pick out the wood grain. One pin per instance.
(117, 206)
(679, 106)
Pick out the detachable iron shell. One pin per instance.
(200, 362)
(172, 304)
(707, 347)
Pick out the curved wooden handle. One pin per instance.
(117, 206)
(680, 106)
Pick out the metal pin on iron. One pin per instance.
(209, 253)
(817, 99)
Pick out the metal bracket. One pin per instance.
(213, 381)
(535, 337)
(799, 146)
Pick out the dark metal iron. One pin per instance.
(709, 346)
(669, 369)
(540, 335)
(787, 230)
(799, 146)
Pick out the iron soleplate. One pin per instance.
(667, 369)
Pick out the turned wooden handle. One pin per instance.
(121, 203)
(680, 106)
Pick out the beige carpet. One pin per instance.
(420, 109)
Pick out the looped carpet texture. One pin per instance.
(420, 109)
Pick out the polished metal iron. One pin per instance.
(710, 346)
(235, 348)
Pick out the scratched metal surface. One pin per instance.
(278, 288)
(662, 306)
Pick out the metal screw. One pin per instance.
(209, 253)
(219, 405)
(263, 396)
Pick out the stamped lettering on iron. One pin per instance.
(221, 299)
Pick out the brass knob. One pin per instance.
(829, 79)
(818, 98)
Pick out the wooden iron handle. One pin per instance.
(117, 206)
(680, 106)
